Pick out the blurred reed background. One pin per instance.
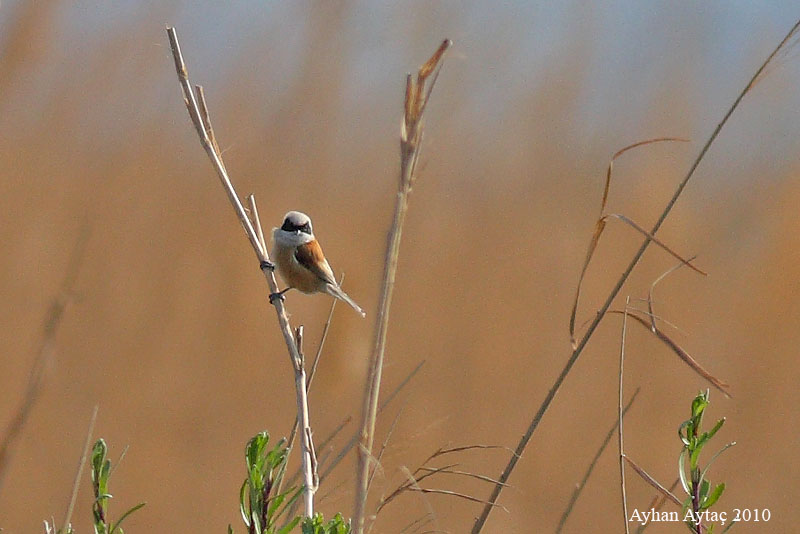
(170, 331)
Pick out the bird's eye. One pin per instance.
(306, 228)
(287, 226)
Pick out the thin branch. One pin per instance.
(653, 482)
(592, 464)
(323, 338)
(481, 521)
(476, 476)
(251, 202)
(653, 287)
(658, 503)
(417, 94)
(383, 447)
(350, 444)
(682, 354)
(471, 447)
(79, 473)
(198, 112)
(44, 352)
(456, 494)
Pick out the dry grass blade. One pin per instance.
(456, 494)
(425, 471)
(658, 242)
(416, 524)
(442, 451)
(350, 444)
(476, 476)
(653, 482)
(385, 444)
(411, 480)
(578, 350)
(44, 352)
(658, 280)
(682, 354)
(323, 338)
(601, 225)
(418, 92)
(618, 153)
(579, 488)
(658, 503)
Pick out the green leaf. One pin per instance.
(684, 437)
(275, 503)
(682, 472)
(713, 458)
(243, 504)
(256, 522)
(230, 529)
(291, 500)
(255, 448)
(99, 452)
(713, 498)
(694, 456)
(714, 430)
(704, 487)
(289, 526)
(699, 404)
(125, 515)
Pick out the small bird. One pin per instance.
(300, 261)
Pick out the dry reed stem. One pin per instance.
(621, 417)
(579, 488)
(526, 437)
(198, 113)
(293, 433)
(418, 92)
(79, 472)
(44, 352)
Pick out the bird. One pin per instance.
(299, 260)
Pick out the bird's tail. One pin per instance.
(335, 291)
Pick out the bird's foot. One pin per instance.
(267, 265)
(274, 297)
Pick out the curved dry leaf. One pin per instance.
(721, 385)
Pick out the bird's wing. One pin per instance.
(310, 256)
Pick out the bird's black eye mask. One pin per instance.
(288, 226)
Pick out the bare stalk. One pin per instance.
(621, 416)
(198, 113)
(44, 352)
(523, 443)
(592, 464)
(418, 91)
(79, 473)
